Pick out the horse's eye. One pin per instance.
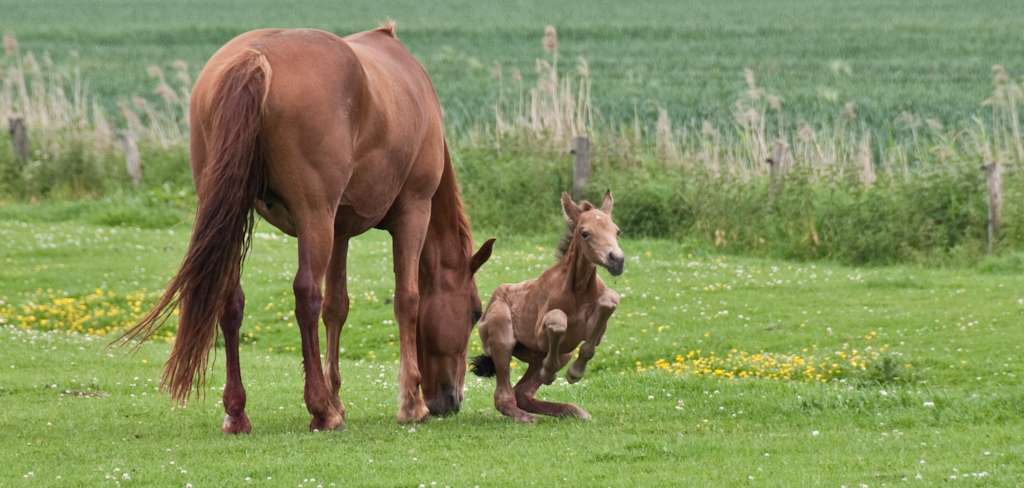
(585, 235)
(618, 232)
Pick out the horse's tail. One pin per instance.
(233, 177)
(483, 366)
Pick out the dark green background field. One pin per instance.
(931, 58)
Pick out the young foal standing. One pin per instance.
(542, 320)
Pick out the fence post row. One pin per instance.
(580, 165)
(777, 161)
(19, 137)
(994, 181)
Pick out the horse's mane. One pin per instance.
(448, 197)
(388, 28)
(570, 231)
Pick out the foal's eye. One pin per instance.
(585, 235)
(618, 232)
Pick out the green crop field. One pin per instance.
(929, 58)
(715, 370)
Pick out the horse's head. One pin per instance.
(597, 234)
(449, 308)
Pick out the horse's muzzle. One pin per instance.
(448, 402)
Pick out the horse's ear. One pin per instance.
(481, 256)
(572, 212)
(606, 205)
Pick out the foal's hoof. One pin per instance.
(332, 422)
(572, 378)
(525, 418)
(236, 425)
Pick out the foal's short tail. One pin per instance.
(483, 366)
(233, 177)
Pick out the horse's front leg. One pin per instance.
(408, 236)
(607, 304)
(336, 306)
(235, 419)
(553, 324)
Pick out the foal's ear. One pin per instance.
(606, 205)
(481, 256)
(569, 208)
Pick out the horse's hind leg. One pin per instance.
(607, 304)
(235, 420)
(554, 323)
(336, 303)
(316, 238)
(498, 338)
(526, 390)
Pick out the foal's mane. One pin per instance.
(570, 231)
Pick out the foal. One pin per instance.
(541, 321)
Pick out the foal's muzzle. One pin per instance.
(616, 262)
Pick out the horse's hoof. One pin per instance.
(332, 422)
(336, 403)
(236, 425)
(415, 414)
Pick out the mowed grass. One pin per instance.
(929, 58)
(934, 391)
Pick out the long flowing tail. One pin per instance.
(233, 177)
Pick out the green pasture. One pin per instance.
(934, 392)
(929, 58)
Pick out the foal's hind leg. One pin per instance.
(235, 420)
(605, 306)
(526, 389)
(498, 338)
(335, 312)
(553, 324)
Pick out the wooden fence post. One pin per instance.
(777, 161)
(580, 165)
(131, 155)
(995, 200)
(19, 136)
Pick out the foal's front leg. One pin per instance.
(607, 304)
(553, 324)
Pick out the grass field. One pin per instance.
(919, 373)
(930, 58)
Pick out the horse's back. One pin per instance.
(347, 123)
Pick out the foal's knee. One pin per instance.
(609, 300)
(555, 322)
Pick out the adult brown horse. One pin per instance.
(325, 138)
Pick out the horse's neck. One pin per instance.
(448, 243)
(579, 271)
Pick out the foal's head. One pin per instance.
(598, 236)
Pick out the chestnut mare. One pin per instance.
(542, 320)
(325, 138)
